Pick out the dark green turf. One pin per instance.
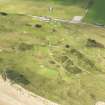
(96, 12)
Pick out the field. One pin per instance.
(61, 8)
(59, 61)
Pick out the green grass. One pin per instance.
(41, 7)
(43, 65)
(96, 12)
(71, 75)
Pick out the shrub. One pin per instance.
(94, 43)
(3, 14)
(17, 77)
(38, 25)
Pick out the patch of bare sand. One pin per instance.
(100, 103)
(16, 95)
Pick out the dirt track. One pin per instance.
(16, 95)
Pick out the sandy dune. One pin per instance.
(16, 95)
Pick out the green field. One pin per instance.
(59, 61)
(61, 8)
(96, 12)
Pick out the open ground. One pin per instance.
(59, 61)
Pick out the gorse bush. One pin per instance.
(16, 77)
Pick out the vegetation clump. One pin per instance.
(94, 43)
(70, 67)
(67, 46)
(25, 46)
(54, 30)
(16, 77)
(73, 69)
(38, 25)
(52, 62)
(83, 60)
(3, 13)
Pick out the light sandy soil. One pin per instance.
(16, 95)
(77, 19)
(100, 103)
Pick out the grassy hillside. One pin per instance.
(96, 13)
(59, 61)
(61, 8)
